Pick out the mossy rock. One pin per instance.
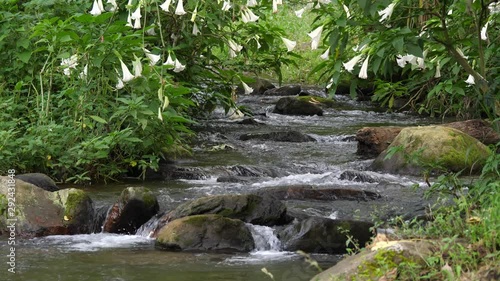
(205, 233)
(40, 213)
(382, 259)
(434, 149)
(255, 209)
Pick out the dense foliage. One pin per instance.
(72, 108)
(441, 57)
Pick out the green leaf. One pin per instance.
(415, 50)
(98, 119)
(23, 43)
(398, 44)
(24, 56)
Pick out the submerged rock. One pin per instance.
(135, 206)
(308, 192)
(323, 235)
(369, 264)
(41, 180)
(283, 136)
(292, 90)
(430, 148)
(41, 213)
(358, 176)
(205, 233)
(295, 106)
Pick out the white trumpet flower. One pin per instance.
(196, 31)
(300, 12)
(290, 45)
(346, 9)
(165, 5)
(349, 66)
(97, 8)
(160, 115)
(325, 54)
(137, 66)
(484, 32)
(233, 48)
(248, 89)
(248, 16)
(153, 59)
(387, 12)
(438, 71)
(136, 16)
(195, 13)
(252, 3)
(180, 8)
(178, 66)
(275, 6)
(129, 20)
(127, 76)
(315, 36)
(226, 5)
(119, 84)
(470, 80)
(170, 61)
(69, 63)
(363, 73)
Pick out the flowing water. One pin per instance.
(219, 152)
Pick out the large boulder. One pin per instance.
(417, 149)
(41, 180)
(135, 206)
(251, 208)
(295, 106)
(283, 136)
(323, 235)
(292, 90)
(373, 140)
(40, 213)
(371, 264)
(205, 233)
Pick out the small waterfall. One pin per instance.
(264, 238)
(148, 228)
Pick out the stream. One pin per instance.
(264, 164)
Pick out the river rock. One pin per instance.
(373, 140)
(323, 235)
(292, 90)
(309, 192)
(445, 147)
(41, 213)
(251, 208)
(295, 106)
(40, 180)
(135, 206)
(283, 136)
(368, 264)
(259, 86)
(359, 176)
(205, 233)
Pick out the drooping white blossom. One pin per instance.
(180, 8)
(459, 51)
(226, 5)
(178, 66)
(83, 74)
(234, 48)
(68, 64)
(129, 20)
(316, 37)
(387, 12)
(153, 59)
(248, 89)
(438, 70)
(248, 16)
(195, 13)
(325, 54)
(169, 61)
(126, 75)
(137, 66)
(470, 80)
(160, 115)
(136, 16)
(97, 8)
(349, 66)
(484, 32)
(346, 9)
(196, 31)
(165, 5)
(252, 3)
(119, 84)
(299, 13)
(363, 73)
(290, 45)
